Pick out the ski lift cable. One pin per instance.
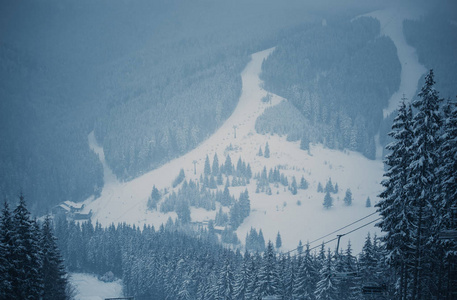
(333, 232)
(366, 224)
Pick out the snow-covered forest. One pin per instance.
(211, 149)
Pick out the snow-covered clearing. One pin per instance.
(127, 201)
(391, 20)
(88, 287)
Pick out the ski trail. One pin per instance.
(127, 201)
(411, 70)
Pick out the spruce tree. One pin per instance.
(207, 168)
(215, 168)
(395, 206)
(226, 281)
(26, 280)
(242, 278)
(326, 286)
(328, 200)
(368, 202)
(52, 269)
(293, 186)
(423, 185)
(303, 183)
(266, 153)
(268, 278)
(228, 167)
(348, 198)
(278, 241)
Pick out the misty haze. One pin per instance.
(228, 149)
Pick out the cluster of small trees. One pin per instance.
(31, 266)
(419, 192)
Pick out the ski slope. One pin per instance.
(391, 20)
(127, 201)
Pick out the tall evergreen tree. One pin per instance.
(328, 200)
(348, 198)
(422, 185)
(52, 269)
(27, 280)
(278, 241)
(268, 277)
(215, 168)
(326, 287)
(266, 153)
(226, 281)
(207, 168)
(395, 206)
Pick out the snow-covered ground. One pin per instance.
(88, 287)
(127, 201)
(391, 20)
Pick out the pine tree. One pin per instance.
(320, 189)
(278, 241)
(154, 198)
(27, 280)
(368, 202)
(395, 206)
(306, 277)
(293, 186)
(326, 287)
(266, 153)
(207, 168)
(328, 200)
(348, 198)
(329, 186)
(225, 281)
(268, 277)
(260, 153)
(228, 167)
(245, 205)
(303, 183)
(423, 184)
(215, 168)
(242, 278)
(52, 269)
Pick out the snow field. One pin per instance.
(88, 287)
(127, 201)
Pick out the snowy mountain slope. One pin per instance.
(127, 201)
(391, 20)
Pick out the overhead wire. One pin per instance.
(339, 229)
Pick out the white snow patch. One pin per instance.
(391, 20)
(88, 287)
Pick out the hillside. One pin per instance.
(127, 202)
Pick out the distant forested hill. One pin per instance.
(339, 76)
(152, 78)
(435, 40)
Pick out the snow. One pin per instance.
(391, 20)
(127, 201)
(88, 287)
